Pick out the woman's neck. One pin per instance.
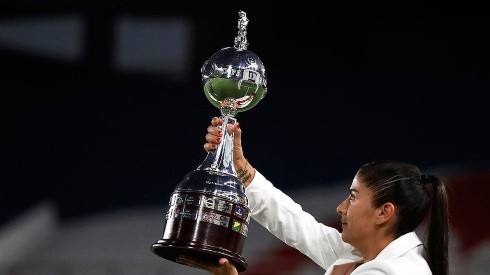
(373, 246)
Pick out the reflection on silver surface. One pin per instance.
(235, 73)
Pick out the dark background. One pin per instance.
(348, 83)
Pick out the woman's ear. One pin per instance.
(385, 213)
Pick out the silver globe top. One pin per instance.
(235, 74)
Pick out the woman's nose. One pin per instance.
(340, 207)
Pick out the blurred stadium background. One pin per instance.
(103, 113)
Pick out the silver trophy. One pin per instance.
(208, 213)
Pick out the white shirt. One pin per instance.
(284, 218)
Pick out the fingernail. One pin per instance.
(238, 125)
(218, 139)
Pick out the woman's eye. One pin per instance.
(351, 197)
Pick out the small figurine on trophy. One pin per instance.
(208, 213)
(241, 39)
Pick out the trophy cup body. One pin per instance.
(208, 214)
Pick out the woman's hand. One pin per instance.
(214, 136)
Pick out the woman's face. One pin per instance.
(357, 214)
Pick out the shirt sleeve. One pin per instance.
(286, 219)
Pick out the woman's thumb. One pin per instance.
(237, 140)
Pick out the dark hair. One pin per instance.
(415, 196)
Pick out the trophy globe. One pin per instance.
(208, 214)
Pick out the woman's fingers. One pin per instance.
(216, 121)
(213, 131)
(214, 134)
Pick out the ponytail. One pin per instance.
(438, 229)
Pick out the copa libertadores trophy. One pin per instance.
(208, 214)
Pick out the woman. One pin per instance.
(387, 201)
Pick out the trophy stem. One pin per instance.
(221, 160)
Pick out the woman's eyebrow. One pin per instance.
(353, 190)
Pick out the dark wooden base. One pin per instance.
(200, 240)
(205, 227)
